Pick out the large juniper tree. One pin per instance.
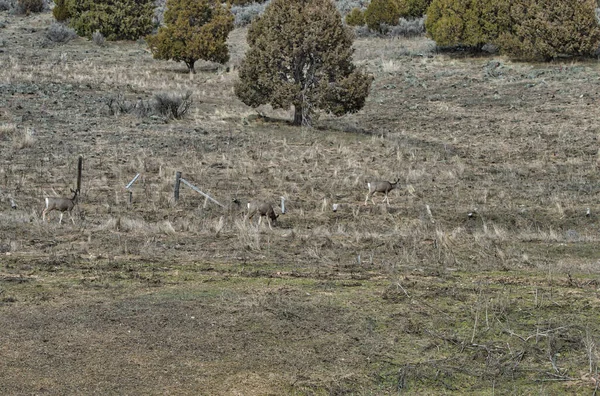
(195, 29)
(116, 20)
(547, 29)
(301, 55)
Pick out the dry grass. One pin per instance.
(486, 243)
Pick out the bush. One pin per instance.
(117, 105)
(172, 105)
(380, 14)
(546, 29)
(244, 15)
(195, 29)
(61, 11)
(413, 8)
(310, 70)
(346, 6)
(5, 5)
(355, 17)
(471, 23)
(98, 39)
(26, 7)
(408, 28)
(116, 20)
(169, 105)
(59, 33)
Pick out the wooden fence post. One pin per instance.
(177, 183)
(79, 169)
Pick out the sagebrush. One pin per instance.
(59, 33)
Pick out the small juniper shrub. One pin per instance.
(26, 7)
(172, 105)
(380, 14)
(98, 39)
(61, 12)
(59, 33)
(355, 17)
(245, 14)
(467, 23)
(413, 8)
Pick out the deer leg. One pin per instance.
(269, 222)
(44, 215)
(71, 216)
(60, 220)
(386, 199)
(367, 199)
(259, 220)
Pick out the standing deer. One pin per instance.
(62, 205)
(262, 209)
(383, 187)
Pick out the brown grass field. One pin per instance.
(186, 298)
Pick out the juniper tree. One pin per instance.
(116, 20)
(300, 55)
(471, 23)
(195, 29)
(547, 29)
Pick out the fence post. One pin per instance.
(79, 169)
(177, 183)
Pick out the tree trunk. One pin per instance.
(297, 115)
(190, 65)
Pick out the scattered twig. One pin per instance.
(401, 288)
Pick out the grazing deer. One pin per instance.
(383, 187)
(262, 209)
(61, 204)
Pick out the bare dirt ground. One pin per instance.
(159, 297)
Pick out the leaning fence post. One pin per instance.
(128, 186)
(190, 185)
(177, 183)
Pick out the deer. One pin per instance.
(61, 204)
(262, 209)
(383, 187)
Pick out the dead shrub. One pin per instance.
(172, 105)
(98, 39)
